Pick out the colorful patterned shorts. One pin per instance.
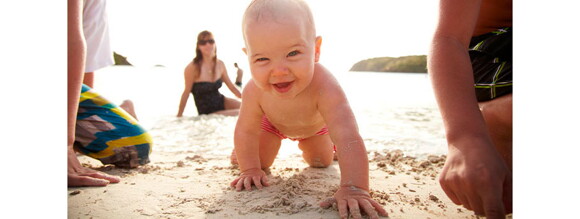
(108, 133)
(491, 59)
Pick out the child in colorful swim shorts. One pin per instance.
(292, 96)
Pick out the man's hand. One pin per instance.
(82, 176)
(478, 179)
(351, 199)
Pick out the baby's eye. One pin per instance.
(293, 53)
(261, 59)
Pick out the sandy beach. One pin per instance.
(189, 175)
(190, 171)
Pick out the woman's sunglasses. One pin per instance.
(203, 42)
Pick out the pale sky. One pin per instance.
(164, 32)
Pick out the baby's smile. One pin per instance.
(283, 87)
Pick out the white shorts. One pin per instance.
(96, 31)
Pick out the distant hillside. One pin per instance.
(389, 64)
(120, 60)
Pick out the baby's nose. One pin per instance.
(280, 69)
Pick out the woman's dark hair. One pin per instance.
(198, 56)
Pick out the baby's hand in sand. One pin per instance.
(350, 199)
(247, 178)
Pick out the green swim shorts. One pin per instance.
(108, 133)
(491, 59)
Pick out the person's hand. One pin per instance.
(254, 176)
(478, 179)
(352, 199)
(82, 176)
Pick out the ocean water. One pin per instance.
(393, 110)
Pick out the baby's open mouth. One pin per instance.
(282, 85)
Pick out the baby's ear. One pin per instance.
(245, 50)
(317, 48)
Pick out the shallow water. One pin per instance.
(393, 111)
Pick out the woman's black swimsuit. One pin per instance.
(207, 97)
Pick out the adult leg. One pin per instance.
(232, 107)
(317, 151)
(89, 79)
(498, 117)
(128, 106)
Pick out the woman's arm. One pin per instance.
(76, 63)
(188, 76)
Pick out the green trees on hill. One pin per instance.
(120, 60)
(416, 64)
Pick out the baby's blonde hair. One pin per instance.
(276, 9)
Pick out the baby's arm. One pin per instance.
(246, 141)
(353, 192)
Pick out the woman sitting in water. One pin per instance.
(204, 76)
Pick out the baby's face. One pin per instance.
(281, 55)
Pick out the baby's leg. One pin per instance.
(269, 146)
(317, 150)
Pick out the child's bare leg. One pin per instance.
(498, 117)
(269, 146)
(317, 150)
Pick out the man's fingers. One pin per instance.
(449, 192)
(476, 205)
(86, 181)
(101, 175)
(464, 201)
(493, 205)
(507, 195)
